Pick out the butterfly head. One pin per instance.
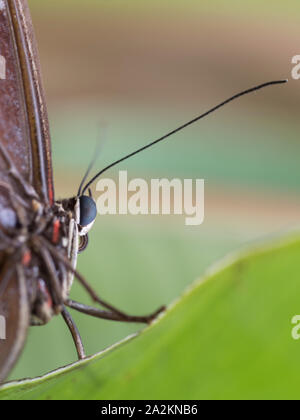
(87, 214)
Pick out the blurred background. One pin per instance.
(142, 68)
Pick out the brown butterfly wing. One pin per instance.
(24, 134)
(24, 129)
(13, 321)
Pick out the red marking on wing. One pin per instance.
(55, 235)
(26, 258)
(50, 190)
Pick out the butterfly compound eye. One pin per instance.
(88, 210)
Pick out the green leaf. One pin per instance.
(228, 337)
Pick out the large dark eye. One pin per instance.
(88, 210)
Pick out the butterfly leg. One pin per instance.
(12, 170)
(110, 315)
(115, 313)
(17, 203)
(75, 333)
(121, 316)
(13, 196)
(55, 286)
(6, 241)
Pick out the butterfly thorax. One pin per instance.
(41, 243)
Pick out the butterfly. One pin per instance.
(40, 237)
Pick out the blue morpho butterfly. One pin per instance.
(39, 236)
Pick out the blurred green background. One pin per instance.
(142, 68)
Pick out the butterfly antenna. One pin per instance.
(205, 114)
(92, 163)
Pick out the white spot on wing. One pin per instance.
(8, 218)
(2, 67)
(2, 5)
